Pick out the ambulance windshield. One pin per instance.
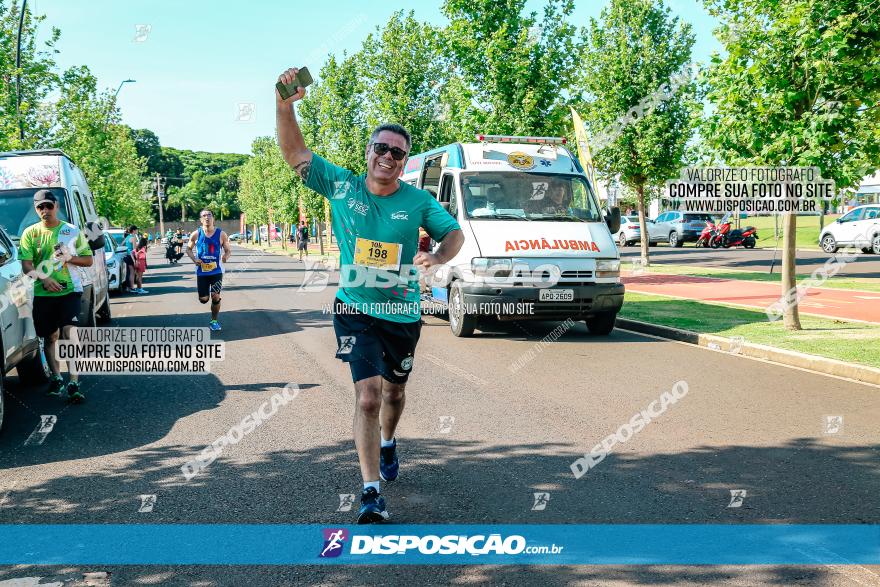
(500, 195)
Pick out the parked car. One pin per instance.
(22, 173)
(630, 232)
(678, 228)
(860, 227)
(236, 236)
(113, 255)
(21, 348)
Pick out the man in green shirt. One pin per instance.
(52, 252)
(377, 317)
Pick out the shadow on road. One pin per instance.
(451, 480)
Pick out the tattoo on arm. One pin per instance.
(302, 168)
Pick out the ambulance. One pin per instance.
(537, 244)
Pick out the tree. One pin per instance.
(402, 72)
(220, 203)
(147, 144)
(799, 86)
(267, 184)
(518, 69)
(37, 74)
(85, 129)
(185, 198)
(632, 51)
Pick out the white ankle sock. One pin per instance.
(386, 443)
(373, 484)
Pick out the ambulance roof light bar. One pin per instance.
(515, 139)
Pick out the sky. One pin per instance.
(205, 70)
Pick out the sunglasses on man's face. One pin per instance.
(45, 206)
(396, 152)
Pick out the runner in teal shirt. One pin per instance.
(376, 315)
(360, 221)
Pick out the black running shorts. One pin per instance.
(209, 284)
(372, 346)
(52, 313)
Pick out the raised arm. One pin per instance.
(290, 138)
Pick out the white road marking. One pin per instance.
(47, 423)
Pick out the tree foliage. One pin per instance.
(799, 86)
(633, 50)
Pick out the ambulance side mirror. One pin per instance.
(612, 219)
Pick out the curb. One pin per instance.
(822, 365)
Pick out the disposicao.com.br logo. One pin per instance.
(474, 545)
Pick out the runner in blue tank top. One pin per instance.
(208, 242)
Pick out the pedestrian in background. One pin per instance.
(302, 239)
(140, 266)
(130, 243)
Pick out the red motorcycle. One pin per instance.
(727, 238)
(707, 235)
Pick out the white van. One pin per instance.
(537, 245)
(22, 173)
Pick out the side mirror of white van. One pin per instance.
(93, 228)
(612, 219)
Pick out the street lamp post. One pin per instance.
(123, 82)
(612, 194)
(110, 106)
(18, 73)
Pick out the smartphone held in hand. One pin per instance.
(303, 79)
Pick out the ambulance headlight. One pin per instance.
(492, 266)
(608, 268)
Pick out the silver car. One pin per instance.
(22, 348)
(629, 232)
(113, 255)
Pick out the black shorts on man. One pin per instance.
(52, 313)
(209, 284)
(372, 346)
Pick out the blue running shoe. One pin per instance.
(388, 463)
(372, 507)
(214, 325)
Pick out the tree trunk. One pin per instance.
(183, 213)
(643, 226)
(822, 215)
(329, 225)
(791, 317)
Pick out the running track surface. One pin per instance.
(829, 303)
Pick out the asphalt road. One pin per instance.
(865, 265)
(744, 424)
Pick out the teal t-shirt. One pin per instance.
(378, 238)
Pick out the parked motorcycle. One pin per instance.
(726, 238)
(707, 235)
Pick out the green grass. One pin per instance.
(835, 339)
(863, 284)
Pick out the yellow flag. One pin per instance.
(584, 155)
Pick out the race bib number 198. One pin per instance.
(377, 254)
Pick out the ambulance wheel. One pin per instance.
(461, 323)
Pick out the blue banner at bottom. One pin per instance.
(275, 544)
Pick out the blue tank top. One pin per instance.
(208, 250)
